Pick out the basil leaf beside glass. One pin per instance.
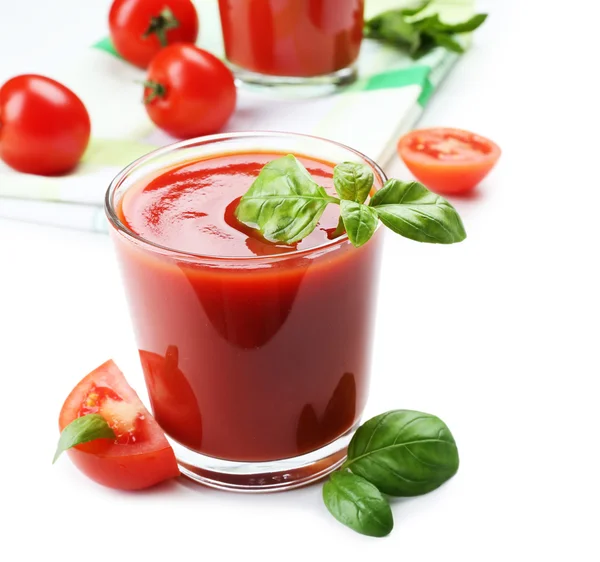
(402, 28)
(403, 453)
(356, 503)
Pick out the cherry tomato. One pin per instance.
(448, 161)
(140, 456)
(188, 91)
(44, 126)
(141, 28)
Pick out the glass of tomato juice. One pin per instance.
(255, 355)
(292, 42)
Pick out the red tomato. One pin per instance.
(448, 161)
(189, 92)
(44, 126)
(141, 28)
(140, 456)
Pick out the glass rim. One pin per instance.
(138, 239)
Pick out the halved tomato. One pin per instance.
(140, 456)
(448, 161)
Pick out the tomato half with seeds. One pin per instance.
(141, 28)
(448, 161)
(140, 456)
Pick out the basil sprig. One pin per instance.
(398, 453)
(285, 204)
(402, 28)
(82, 430)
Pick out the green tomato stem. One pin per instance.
(159, 25)
(157, 90)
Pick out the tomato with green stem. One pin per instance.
(139, 456)
(448, 161)
(141, 28)
(188, 91)
(44, 126)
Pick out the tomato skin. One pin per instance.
(199, 92)
(44, 126)
(129, 20)
(125, 467)
(469, 159)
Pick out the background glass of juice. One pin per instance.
(257, 365)
(293, 42)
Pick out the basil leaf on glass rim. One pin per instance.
(360, 221)
(403, 453)
(82, 430)
(411, 210)
(352, 181)
(358, 504)
(283, 203)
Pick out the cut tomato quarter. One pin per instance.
(140, 455)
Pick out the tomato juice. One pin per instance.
(255, 355)
(297, 38)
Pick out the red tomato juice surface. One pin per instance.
(300, 38)
(252, 351)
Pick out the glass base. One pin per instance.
(292, 85)
(269, 476)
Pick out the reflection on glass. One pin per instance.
(339, 416)
(174, 404)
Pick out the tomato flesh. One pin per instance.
(125, 419)
(140, 456)
(448, 161)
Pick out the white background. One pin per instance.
(497, 335)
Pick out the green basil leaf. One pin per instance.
(429, 23)
(417, 9)
(358, 504)
(360, 221)
(411, 210)
(392, 27)
(283, 203)
(418, 36)
(466, 26)
(81, 430)
(403, 452)
(339, 229)
(352, 181)
(447, 42)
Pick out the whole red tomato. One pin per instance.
(189, 92)
(141, 28)
(44, 126)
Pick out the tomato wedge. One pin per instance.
(448, 161)
(140, 456)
